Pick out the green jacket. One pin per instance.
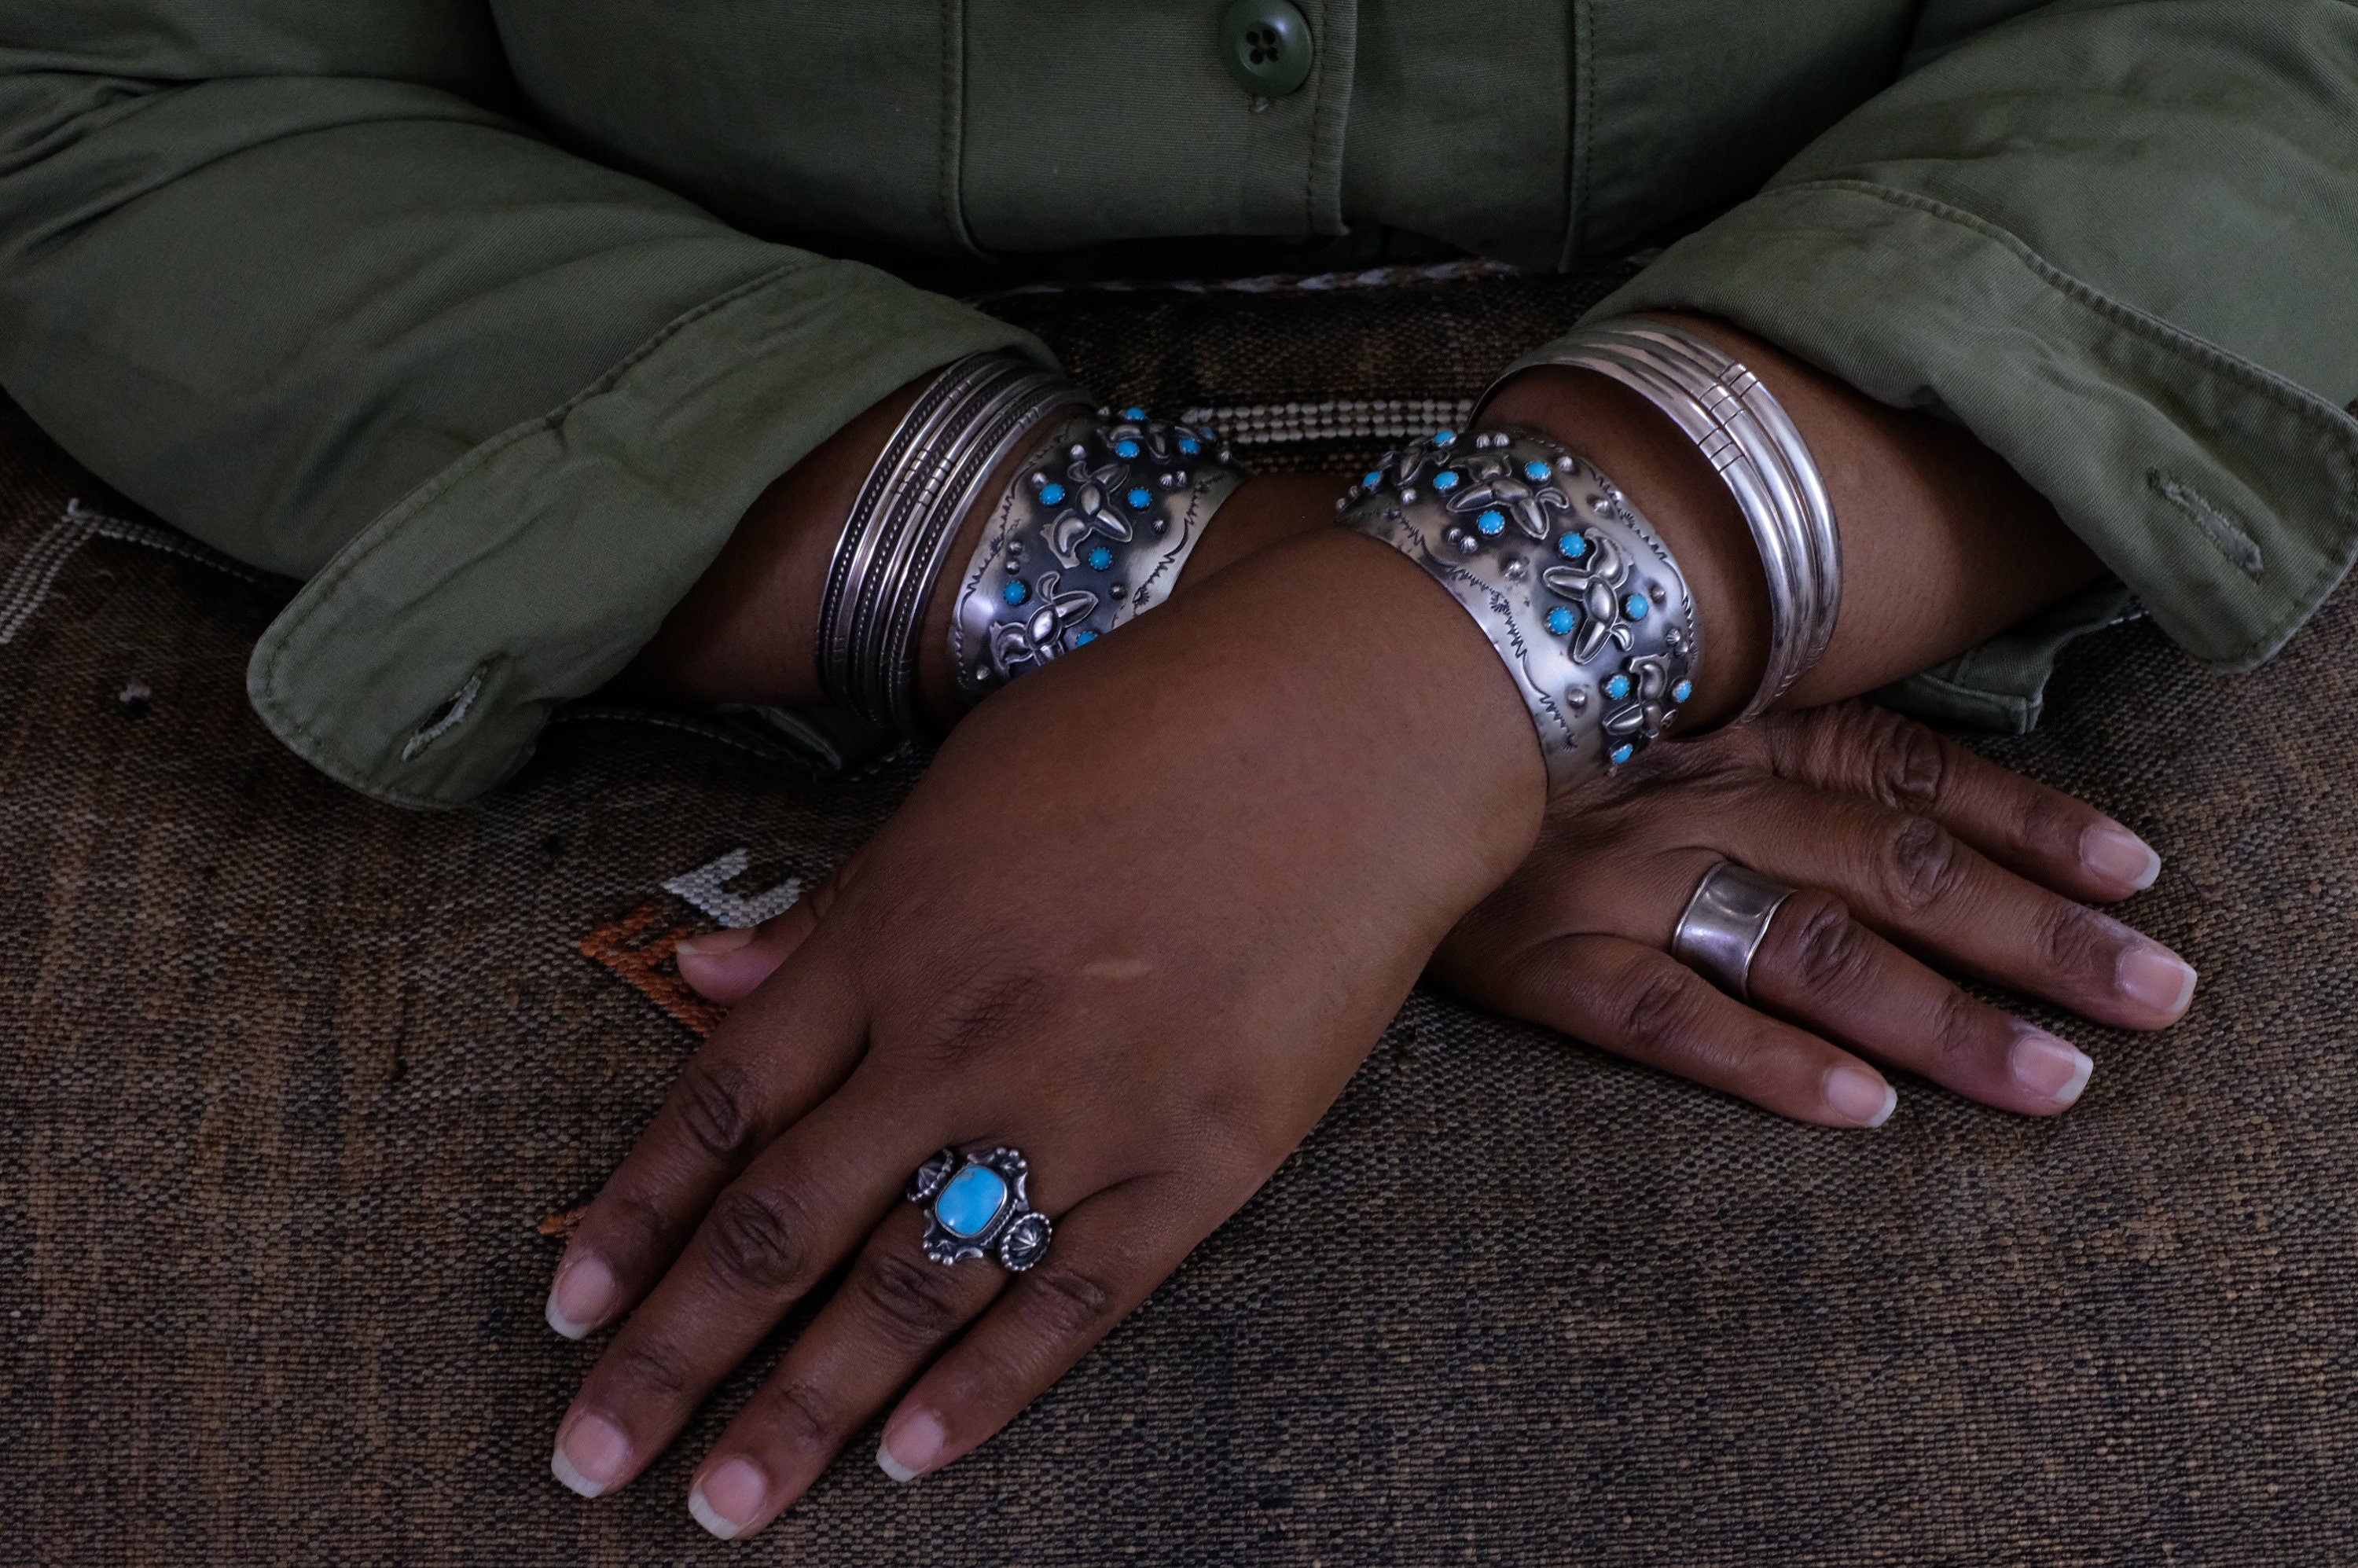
(489, 318)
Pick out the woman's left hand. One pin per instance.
(1913, 860)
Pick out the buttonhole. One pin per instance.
(2228, 537)
(447, 717)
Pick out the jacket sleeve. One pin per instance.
(284, 272)
(2119, 242)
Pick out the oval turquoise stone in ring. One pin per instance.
(971, 1201)
(975, 1207)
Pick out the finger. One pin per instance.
(768, 1062)
(728, 966)
(2064, 843)
(794, 1213)
(1640, 1002)
(1821, 968)
(1108, 1254)
(1911, 879)
(891, 1315)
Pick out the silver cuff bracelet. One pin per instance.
(1744, 432)
(1580, 598)
(891, 550)
(1095, 528)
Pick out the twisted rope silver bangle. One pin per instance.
(1582, 604)
(1752, 444)
(893, 545)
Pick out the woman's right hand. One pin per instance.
(1907, 851)
(1140, 921)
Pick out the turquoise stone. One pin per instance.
(971, 1201)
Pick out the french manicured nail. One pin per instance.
(714, 944)
(2049, 1067)
(2117, 855)
(2156, 976)
(1860, 1097)
(581, 1296)
(729, 1499)
(592, 1456)
(911, 1446)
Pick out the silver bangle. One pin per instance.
(894, 544)
(1752, 443)
(1582, 602)
(1098, 524)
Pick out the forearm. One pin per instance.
(1943, 544)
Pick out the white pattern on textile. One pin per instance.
(703, 887)
(29, 583)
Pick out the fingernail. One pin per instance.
(713, 944)
(1860, 1097)
(2049, 1068)
(592, 1456)
(2156, 976)
(911, 1446)
(581, 1296)
(2117, 855)
(728, 1499)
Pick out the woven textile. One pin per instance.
(288, 1081)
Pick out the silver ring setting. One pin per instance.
(1725, 924)
(978, 1208)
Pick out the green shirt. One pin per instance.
(489, 318)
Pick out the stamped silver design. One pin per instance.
(978, 1208)
(1094, 531)
(1582, 602)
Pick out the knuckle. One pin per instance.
(714, 1102)
(799, 1415)
(915, 1301)
(2074, 940)
(1823, 947)
(1921, 863)
(755, 1240)
(1661, 1008)
(1071, 1303)
(646, 1362)
(1911, 765)
(1958, 1032)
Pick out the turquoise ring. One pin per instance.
(976, 1209)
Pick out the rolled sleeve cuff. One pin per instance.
(421, 663)
(2223, 496)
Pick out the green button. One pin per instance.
(1265, 44)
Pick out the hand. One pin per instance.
(1142, 920)
(1897, 840)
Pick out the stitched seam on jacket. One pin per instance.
(1582, 85)
(952, 153)
(2286, 395)
(272, 645)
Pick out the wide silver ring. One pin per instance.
(976, 1209)
(1725, 924)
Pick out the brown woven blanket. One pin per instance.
(288, 1081)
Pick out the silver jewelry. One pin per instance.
(1093, 532)
(891, 550)
(979, 1208)
(1751, 441)
(1580, 598)
(1725, 924)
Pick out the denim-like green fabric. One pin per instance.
(489, 317)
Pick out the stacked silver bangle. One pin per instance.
(892, 551)
(1744, 432)
(1587, 610)
(1098, 524)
